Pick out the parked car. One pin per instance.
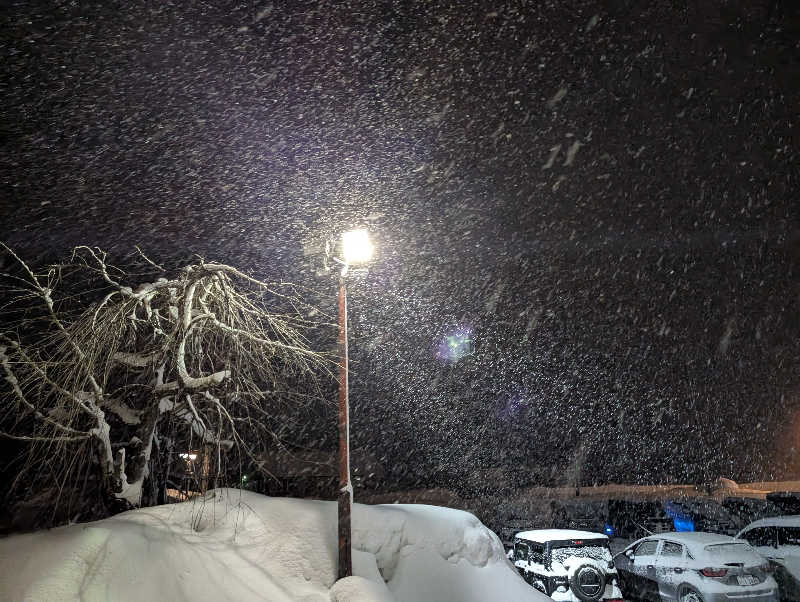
(746, 510)
(787, 501)
(694, 567)
(700, 514)
(634, 519)
(567, 565)
(778, 540)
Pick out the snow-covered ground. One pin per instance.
(238, 545)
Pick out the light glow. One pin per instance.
(455, 344)
(356, 246)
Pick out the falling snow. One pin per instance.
(585, 218)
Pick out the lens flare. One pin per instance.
(455, 344)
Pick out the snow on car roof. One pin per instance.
(545, 535)
(695, 537)
(792, 520)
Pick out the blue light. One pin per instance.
(681, 520)
(609, 530)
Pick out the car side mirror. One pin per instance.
(629, 554)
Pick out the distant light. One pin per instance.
(356, 246)
(188, 456)
(609, 530)
(455, 345)
(681, 519)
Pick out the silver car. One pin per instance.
(694, 567)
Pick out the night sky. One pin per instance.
(601, 196)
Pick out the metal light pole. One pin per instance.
(356, 248)
(345, 487)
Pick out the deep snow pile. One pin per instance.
(238, 545)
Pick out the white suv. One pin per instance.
(567, 565)
(778, 540)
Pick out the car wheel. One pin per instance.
(690, 595)
(588, 583)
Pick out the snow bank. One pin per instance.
(358, 589)
(237, 545)
(409, 541)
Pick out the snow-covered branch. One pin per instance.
(123, 412)
(14, 382)
(135, 360)
(201, 343)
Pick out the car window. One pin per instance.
(646, 548)
(537, 553)
(760, 537)
(789, 536)
(595, 552)
(521, 552)
(672, 549)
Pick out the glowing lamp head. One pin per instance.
(356, 247)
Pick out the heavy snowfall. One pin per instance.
(580, 307)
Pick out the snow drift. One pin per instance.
(238, 545)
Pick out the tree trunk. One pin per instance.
(137, 468)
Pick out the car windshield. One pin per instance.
(593, 550)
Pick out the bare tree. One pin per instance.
(97, 366)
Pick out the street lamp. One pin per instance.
(356, 249)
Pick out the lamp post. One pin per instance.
(356, 249)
